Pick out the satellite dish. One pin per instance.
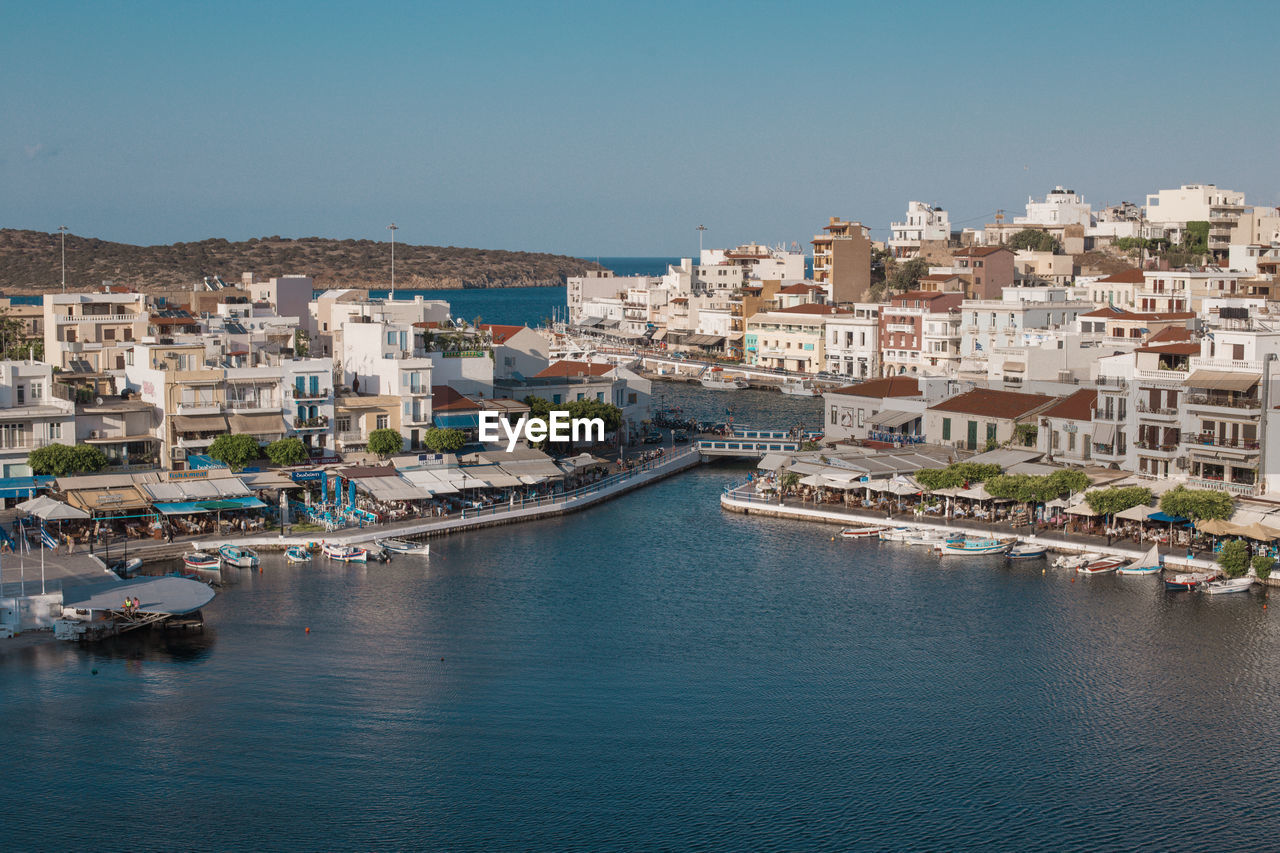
(97, 401)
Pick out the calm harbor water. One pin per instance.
(656, 674)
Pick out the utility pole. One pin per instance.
(62, 236)
(393, 228)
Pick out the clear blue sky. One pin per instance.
(611, 129)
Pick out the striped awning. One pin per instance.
(1222, 380)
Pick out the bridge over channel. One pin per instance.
(749, 441)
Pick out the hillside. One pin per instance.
(29, 263)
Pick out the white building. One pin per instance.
(923, 222)
(30, 415)
(1171, 210)
(853, 342)
(1060, 207)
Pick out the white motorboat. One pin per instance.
(798, 388)
(1148, 564)
(896, 534)
(1074, 561)
(1027, 551)
(405, 546)
(345, 553)
(1228, 585)
(1101, 566)
(297, 554)
(241, 558)
(715, 379)
(931, 538)
(862, 532)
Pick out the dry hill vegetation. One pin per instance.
(30, 263)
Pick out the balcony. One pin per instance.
(202, 408)
(908, 328)
(307, 424)
(65, 319)
(1198, 363)
(1111, 383)
(1166, 377)
(1156, 412)
(1238, 405)
(1223, 486)
(195, 442)
(1109, 452)
(1157, 448)
(318, 394)
(253, 406)
(352, 437)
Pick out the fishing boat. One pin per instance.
(896, 534)
(344, 553)
(1187, 580)
(798, 388)
(241, 558)
(297, 554)
(1228, 585)
(973, 547)
(201, 561)
(1101, 566)
(862, 532)
(932, 538)
(405, 546)
(1148, 564)
(1074, 561)
(1027, 551)
(715, 379)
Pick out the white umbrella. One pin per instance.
(48, 509)
(1136, 513)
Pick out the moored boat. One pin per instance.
(241, 558)
(1075, 561)
(973, 547)
(715, 379)
(126, 568)
(1101, 566)
(798, 388)
(1228, 585)
(932, 538)
(405, 546)
(201, 561)
(862, 532)
(1148, 564)
(297, 554)
(1027, 551)
(344, 553)
(896, 534)
(1187, 580)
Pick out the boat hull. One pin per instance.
(1229, 585)
(401, 546)
(973, 549)
(297, 555)
(861, 532)
(346, 555)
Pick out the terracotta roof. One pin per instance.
(981, 251)
(501, 333)
(1077, 407)
(1123, 277)
(445, 399)
(1170, 334)
(1172, 349)
(891, 386)
(993, 403)
(809, 309)
(1114, 313)
(574, 368)
(801, 287)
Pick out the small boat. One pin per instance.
(1148, 564)
(344, 553)
(973, 547)
(932, 538)
(201, 561)
(1101, 566)
(798, 388)
(896, 534)
(1229, 585)
(297, 554)
(717, 381)
(862, 532)
(241, 558)
(1027, 551)
(1187, 580)
(1075, 561)
(126, 568)
(405, 546)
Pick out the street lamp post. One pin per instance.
(700, 229)
(393, 228)
(62, 236)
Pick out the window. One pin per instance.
(600, 396)
(1071, 442)
(581, 396)
(343, 423)
(22, 395)
(37, 392)
(631, 399)
(383, 422)
(55, 431)
(556, 398)
(946, 429)
(991, 432)
(391, 339)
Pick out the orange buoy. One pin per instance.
(308, 630)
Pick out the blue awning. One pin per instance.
(214, 505)
(1167, 519)
(23, 487)
(456, 420)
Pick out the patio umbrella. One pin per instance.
(1136, 513)
(1216, 527)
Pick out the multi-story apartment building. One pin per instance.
(924, 223)
(1186, 290)
(984, 270)
(753, 262)
(902, 330)
(853, 341)
(1118, 289)
(1065, 434)
(1171, 210)
(31, 415)
(92, 332)
(842, 260)
(390, 358)
(989, 323)
(123, 427)
(789, 338)
(1060, 207)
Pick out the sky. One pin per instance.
(609, 129)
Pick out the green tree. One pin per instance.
(234, 450)
(14, 345)
(385, 442)
(956, 474)
(789, 482)
(444, 440)
(1234, 558)
(1262, 566)
(906, 276)
(1117, 499)
(59, 460)
(1197, 504)
(301, 343)
(287, 451)
(1035, 240)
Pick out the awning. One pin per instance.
(259, 424)
(436, 481)
(23, 487)
(46, 508)
(1015, 367)
(200, 423)
(1165, 518)
(392, 489)
(890, 418)
(456, 420)
(1081, 509)
(189, 507)
(773, 461)
(1136, 513)
(111, 499)
(659, 335)
(1104, 433)
(704, 340)
(1221, 380)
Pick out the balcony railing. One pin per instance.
(248, 405)
(202, 408)
(1156, 446)
(318, 422)
(319, 394)
(1223, 402)
(1221, 485)
(352, 437)
(63, 319)
(1148, 409)
(1215, 441)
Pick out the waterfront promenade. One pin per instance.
(743, 499)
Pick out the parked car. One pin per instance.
(653, 437)
(680, 436)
